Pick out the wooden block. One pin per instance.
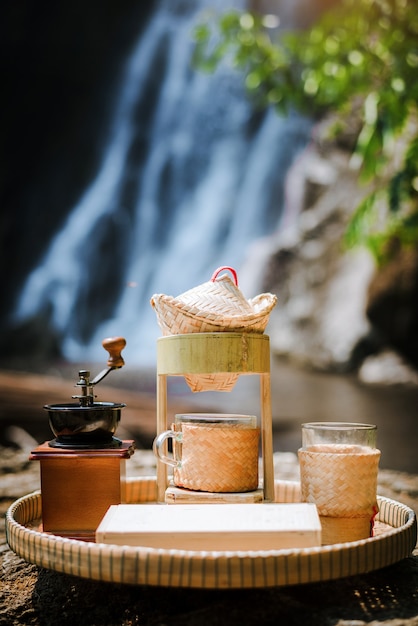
(212, 527)
(177, 495)
(76, 494)
(79, 486)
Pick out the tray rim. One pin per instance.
(139, 565)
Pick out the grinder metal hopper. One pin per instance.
(87, 423)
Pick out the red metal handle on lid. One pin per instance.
(225, 267)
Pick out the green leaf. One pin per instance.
(360, 51)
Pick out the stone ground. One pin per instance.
(33, 596)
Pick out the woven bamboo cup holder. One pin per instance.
(338, 467)
(212, 452)
(223, 354)
(221, 460)
(343, 485)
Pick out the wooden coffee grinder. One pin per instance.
(83, 468)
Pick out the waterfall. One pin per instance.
(190, 176)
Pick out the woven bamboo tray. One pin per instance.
(395, 540)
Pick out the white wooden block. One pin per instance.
(212, 526)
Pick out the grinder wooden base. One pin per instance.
(78, 486)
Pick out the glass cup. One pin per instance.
(212, 452)
(338, 472)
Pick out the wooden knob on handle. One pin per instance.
(114, 346)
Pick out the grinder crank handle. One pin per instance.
(114, 346)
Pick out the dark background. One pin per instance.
(58, 64)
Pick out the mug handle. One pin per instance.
(157, 447)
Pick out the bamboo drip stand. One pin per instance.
(209, 353)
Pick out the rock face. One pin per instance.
(393, 302)
(320, 318)
(335, 307)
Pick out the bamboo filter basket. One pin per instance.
(217, 305)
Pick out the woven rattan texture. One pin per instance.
(219, 460)
(215, 306)
(341, 485)
(216, 570)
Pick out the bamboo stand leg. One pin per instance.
(267, 438)
(161, 426)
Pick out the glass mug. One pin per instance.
(338, 472)
(213, 452)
